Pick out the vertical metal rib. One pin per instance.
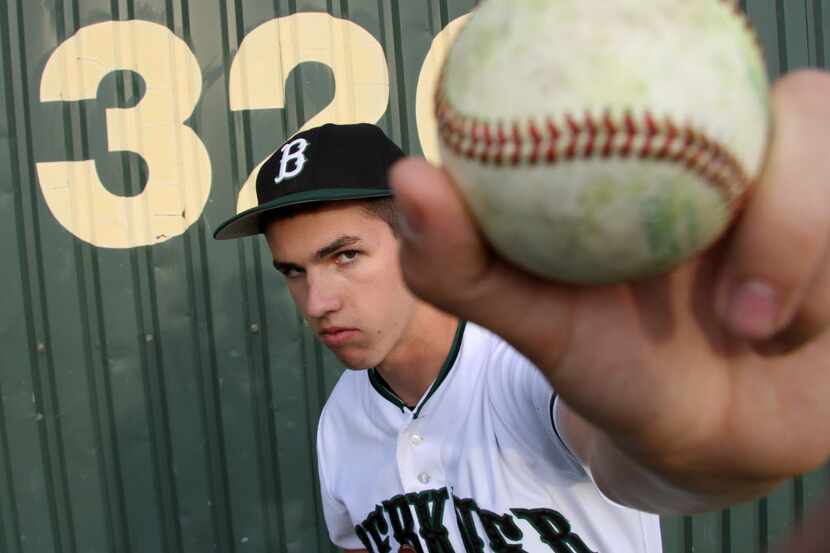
(783, 57)
(266, 441)
(150, 354)
(818, 23)
(9, 502)
(210, 408)
(42, 366)
(89, 325)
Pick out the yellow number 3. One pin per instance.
(179, 178)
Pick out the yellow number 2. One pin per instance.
(272, 50)
(178, 183)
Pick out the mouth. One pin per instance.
(338, 337)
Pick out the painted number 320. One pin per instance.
(178, 183)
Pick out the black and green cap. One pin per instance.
(324, 164)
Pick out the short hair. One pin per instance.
(386, 210)
(380, 208)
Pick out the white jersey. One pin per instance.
(476, 466)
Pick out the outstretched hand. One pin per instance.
(713, 375)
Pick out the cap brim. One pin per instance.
(249, 222)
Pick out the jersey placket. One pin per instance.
(418, 450)
(419, 457)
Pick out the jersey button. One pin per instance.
(424, 478)
(416, 439)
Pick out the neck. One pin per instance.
(413, 365)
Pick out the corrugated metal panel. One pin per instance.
(162, 397)
(794, 35)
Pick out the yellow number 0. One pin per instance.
(179, 178)
(427, 81)
(272, 50)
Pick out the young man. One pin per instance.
(683, 393)
(442, 439)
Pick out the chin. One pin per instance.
(357, 369)
(356, 362)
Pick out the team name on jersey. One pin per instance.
(416, 521)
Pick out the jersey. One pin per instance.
(476, 466)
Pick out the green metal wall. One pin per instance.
(162, 398)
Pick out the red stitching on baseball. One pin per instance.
(533, 143)
(490, 143)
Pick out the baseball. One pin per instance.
(603, 141)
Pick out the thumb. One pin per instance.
(446, 262)
(780, 245)
(443, 257)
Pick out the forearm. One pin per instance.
(647, 482)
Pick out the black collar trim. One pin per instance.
(380, 385)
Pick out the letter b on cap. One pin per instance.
(293, 151)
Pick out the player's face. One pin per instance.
(341, 268)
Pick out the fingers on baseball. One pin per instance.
(778, 252)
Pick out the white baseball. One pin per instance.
(601, 141)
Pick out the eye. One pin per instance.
(290, 272)
(347, 256)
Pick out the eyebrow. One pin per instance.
(322, 253)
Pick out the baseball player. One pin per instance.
(580, 411)
(447, 441)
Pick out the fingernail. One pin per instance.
(411, 222)
(753, 309)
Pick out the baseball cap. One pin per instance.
(323, 164)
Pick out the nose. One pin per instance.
(322, 297)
